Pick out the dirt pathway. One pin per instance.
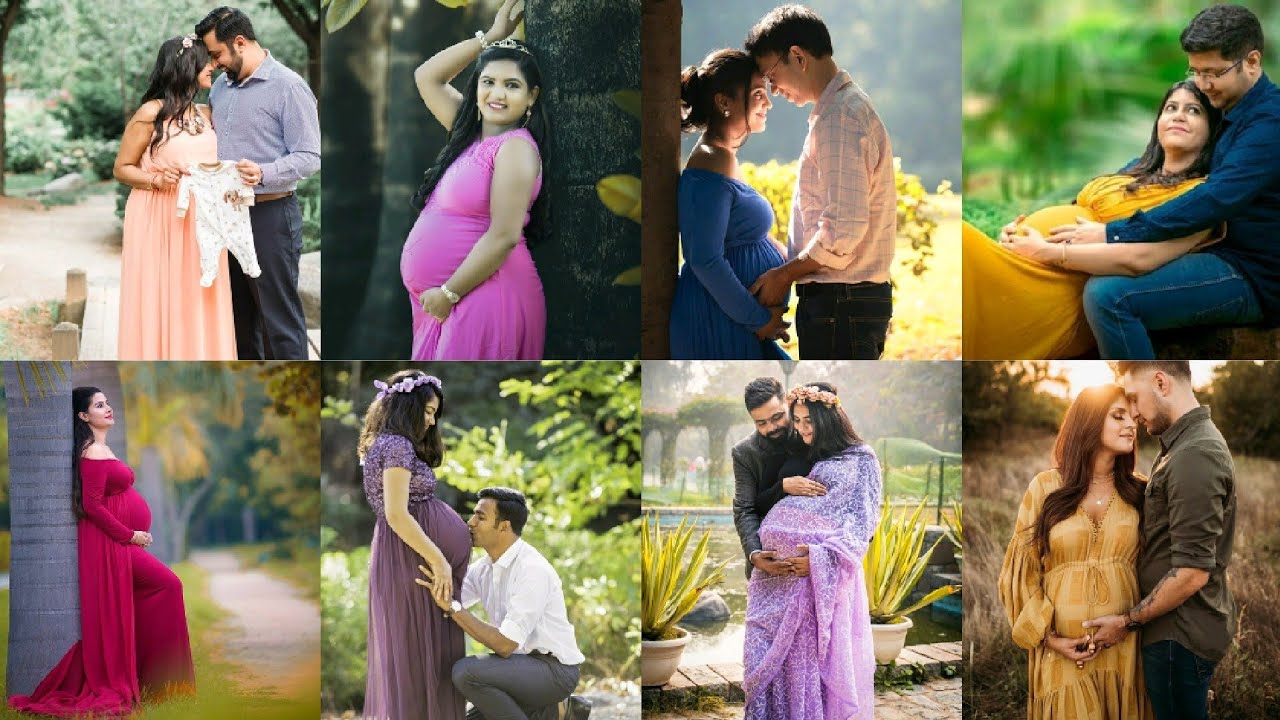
(275, 632)
(38, 246)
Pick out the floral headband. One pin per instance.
(406, 385)
(813, 393)
(187, 42)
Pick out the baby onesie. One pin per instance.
(222, 216)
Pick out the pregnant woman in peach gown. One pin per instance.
(472, 284)
(164, 312)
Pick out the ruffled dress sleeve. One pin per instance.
(1029, 609)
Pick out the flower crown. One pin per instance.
(510, 44)
(812, 393)
(406, 385)
(187, 42)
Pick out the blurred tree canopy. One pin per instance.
(1001, 398)
(1242, 399)
(1065, 92)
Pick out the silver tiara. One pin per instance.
(510, 44)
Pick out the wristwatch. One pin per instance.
(1130, 623)
(454, 607)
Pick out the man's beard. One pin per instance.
(779, 436)
(233, 69)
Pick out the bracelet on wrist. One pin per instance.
(450, 295)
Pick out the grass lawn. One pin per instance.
(302, 573)
(218, 693)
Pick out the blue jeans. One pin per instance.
(838, 321)
(1195, 289)
(1177, 681)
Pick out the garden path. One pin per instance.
(38, 246)
(936, 699)
(274, 632)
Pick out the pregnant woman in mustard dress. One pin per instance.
(1022, 297)
(1072, 558)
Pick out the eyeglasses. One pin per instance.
(1211, 75)
(768, 77)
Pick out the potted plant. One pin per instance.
(893, 565)
(670, 586)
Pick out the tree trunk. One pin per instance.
(151, 484)
(667, 466)
(44, 601)
(183, 517)
(354, 60)
(106, 377)
(6, 25)
(591, 137)
(718, 461)
(298, 16)
(248, 524)
(660, 99)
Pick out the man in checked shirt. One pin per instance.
(844, 212)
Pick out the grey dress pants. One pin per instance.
(514, 688)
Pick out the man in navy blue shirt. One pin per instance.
(1237, 281)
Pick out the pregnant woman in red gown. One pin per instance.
(133, 625)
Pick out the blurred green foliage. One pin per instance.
(1055, 94)
(1005, 397)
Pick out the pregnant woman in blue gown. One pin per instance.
(724, 222)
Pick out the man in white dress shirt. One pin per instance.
(534, 665)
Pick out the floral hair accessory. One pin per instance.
(812, 393)
(406, 385)
(187, 42)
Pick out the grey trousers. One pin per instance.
(514, 688)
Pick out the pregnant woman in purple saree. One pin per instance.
(808, 653)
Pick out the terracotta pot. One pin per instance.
(889, 639)
(659, 659)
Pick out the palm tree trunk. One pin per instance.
(44, 602)
(159, 496)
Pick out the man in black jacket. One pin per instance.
(756, 462)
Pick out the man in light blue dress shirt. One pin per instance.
(267, 123)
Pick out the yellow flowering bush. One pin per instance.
(917, 217)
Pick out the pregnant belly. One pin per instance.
(436, 246)
(134, 511)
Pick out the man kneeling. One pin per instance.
(534, 665)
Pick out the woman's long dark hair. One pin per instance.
(175, 81)
(1078, 441)
(467, 125)
(402, 413)
(833, 433)
(726, 72)
(81, 439)
(1148, 169)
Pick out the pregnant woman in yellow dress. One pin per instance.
(1022, 296)
(1072, 557)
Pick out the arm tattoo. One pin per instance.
(1151, 597)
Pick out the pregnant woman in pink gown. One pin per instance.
(133, 625)
(472, 284)
(165, 314)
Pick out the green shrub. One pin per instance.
(344, 627)
(94, 109)
(309, 203)
(26, 151)
(5, 539)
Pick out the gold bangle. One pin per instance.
(1064, 252)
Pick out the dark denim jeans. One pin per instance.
(835, 321)
(1177, 681)
(1195, 289)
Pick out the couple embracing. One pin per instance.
(735, 284)
(1181, 237)
(1115, 584)
(418, 668)
(197, 194)
(806, 504)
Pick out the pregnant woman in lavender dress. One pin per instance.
(412, 646)
(808, 652)
(466, 265)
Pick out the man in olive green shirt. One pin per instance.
(1187, 615)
